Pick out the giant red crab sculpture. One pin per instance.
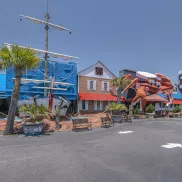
(148, 84)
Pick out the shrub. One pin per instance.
(150, 108)
(136, 111)
(116, 108)
(35, 113)
(177, 109)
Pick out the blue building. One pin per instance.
(177, 94)
(62, 72)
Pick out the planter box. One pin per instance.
(33, 129)
(176, 115)
(117, 118)
(150, 115)
(137, 117)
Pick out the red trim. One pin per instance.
(100, 97)
(177, 101)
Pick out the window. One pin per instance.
(83, 104)
(175, 89)
(176, 105)
(98, 105)
(105, 86)
(91, 84)
(98, 71)
(180, 77)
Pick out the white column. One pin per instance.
(88, 84)
(101, 105)
(94, 85)
(86, 105)
(80, 105)
(95, 105)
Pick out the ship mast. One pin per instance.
(47, 26)
(47, 17)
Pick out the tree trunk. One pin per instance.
(12, 109)
(118, 92)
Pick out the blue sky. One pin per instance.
(143, 35)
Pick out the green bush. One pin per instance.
(136, 111)
(177, 109)
(35, 113)
(150, 108)
(116, 108)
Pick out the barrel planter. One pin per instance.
(33, 129)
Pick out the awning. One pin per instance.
(177, 101)
(156, 98)
(100, 97)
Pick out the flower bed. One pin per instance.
(66, 125)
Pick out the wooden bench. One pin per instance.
(81, 123)
(106, 122)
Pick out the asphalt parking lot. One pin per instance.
(142, 151)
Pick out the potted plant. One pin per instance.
(176, 111)
(116, 111)
(136, 113)
(33, 122)
(150, 111)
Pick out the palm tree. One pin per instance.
(116, 108)
(1, 65)
(120, 83)
(20, 59)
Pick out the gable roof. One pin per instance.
(96, 64)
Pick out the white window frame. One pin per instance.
(89, 83)
(103, 86)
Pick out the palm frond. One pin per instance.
(1, 65)
(116, 107)
(122, 82)
(19, 58)
(34, 111)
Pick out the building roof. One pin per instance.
(156, 98)
(129, 70)
(96, 64)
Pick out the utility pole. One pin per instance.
(47, 17)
